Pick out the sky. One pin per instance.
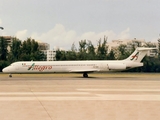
(64, 22)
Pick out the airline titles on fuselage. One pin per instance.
(42, 68)
(37, 67)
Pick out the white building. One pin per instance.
(50, 54)
(44, 47)
(128, 42)
(114, 44)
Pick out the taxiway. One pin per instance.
(121, 96)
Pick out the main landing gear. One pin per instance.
(85, 75)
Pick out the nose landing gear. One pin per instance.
(10, 75)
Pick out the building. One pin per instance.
(128, 42)
(43, 45)
(50, 54)
(9, 40)
(114, 44)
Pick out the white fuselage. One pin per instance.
(70, 66)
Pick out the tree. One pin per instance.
(124, 53)
(30, 51)
(90, 51)
(72, 54)
(73, 48)
(15, 50)
(3, 48)
(159, 48)
(3, 53)
(102, 49)
(60, 55)
(3, 64)
(111, 55)
(82, 50)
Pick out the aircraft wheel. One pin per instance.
(85, 75)
(10, 75)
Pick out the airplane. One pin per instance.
(84, 67)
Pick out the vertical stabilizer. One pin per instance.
(138, 54)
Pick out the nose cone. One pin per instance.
(5, 70)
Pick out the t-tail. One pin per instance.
(138, 54)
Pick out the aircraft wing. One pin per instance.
(82, 70)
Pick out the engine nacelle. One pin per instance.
(117, 66)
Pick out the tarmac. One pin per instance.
(116, 96)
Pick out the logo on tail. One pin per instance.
(135, 56)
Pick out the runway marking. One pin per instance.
(133, 90)
(44, 93)
(52, 96)
(98, 97)
(130, 97)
